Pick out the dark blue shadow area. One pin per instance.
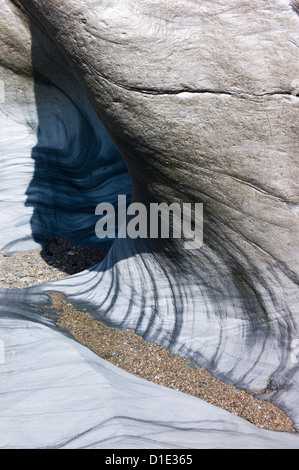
(77, 165)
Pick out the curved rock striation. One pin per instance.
(198, 100)
(56, 153)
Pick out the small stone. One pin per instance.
(20, 274)
(71, 253)
(40, 273)
(27, 279)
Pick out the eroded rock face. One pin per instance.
(201, 101)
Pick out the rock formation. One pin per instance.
(198, 103)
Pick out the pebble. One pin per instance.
(27, 279)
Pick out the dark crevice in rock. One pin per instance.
(170, 91)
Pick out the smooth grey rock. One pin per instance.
(59, 394)
(201, 100)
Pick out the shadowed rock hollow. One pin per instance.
(197, 102)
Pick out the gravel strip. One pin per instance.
(124, 348)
